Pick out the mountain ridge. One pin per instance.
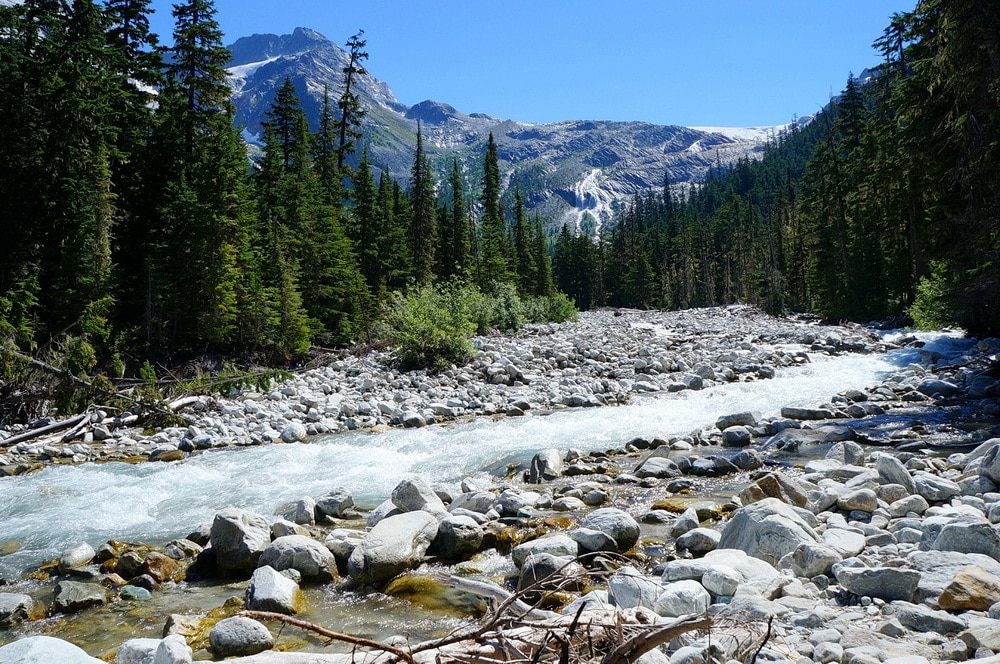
(576, 172)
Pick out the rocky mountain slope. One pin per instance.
(577, 172)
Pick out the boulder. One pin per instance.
(767, 529)
(886, 583)
(75, 556)
(937, 387)
(745, 419)
(775, 485)
(238, 537)
(559, 545)
(845, 542)
(269, 590)
(616, 523)
(628, 588)
(396, 544)
(810, 559)
(414, 494)
(293, 432)
(137, 651)
(746, 567)
(590, 540)
(44, 650)
(173, 649)
(546, 466)
(474, 501)
(688, 520)
(968, 534)
(846, 452)
(659, 467)
(14, 608)
(336, 504)
(736, 436)
(542, 571)
(989, 466)
(795, 413)
(681, 598)
(923, 619)
(305, 512)
(458, 538)
(239, 636)
(892, 471)
(971, 588)
(935, 489)
(863, 500)
(698, 541)
(72, 596)
(310, 558)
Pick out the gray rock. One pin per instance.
(968, 534)
(75, 556)
(14, 608)
(934, 386)
(937, 568)
(863, 500)
(892, 471)
(767, 529)
(458, 538)
(239, 636)
(698, 541)
(628, 588)
(921, 618)
(293, 433)
(396, 544)
(795, 413)
(72, 596)
(336, 504)
(659, 467)
(137, 651)
(935, 489)
(616, 523)
(545, 571)
(846, 452)
(269, 590)
(559, 545)
(238, 537)
(414, 494)
(510, 502)
(845, 542)
(747, 459)
(681, 598)
(474, 501)
(887, 583)
(304, 554)
(746, 419)
(989, 465)
(915, 503)
(590, 540)
(736, 436)
(305, 512)
(747, 567)
(810, 559)
(722, 581)
(44, 650)
(546, 466)
(173, 649)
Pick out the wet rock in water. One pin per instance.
(239, 636)
(886, 583)
(14, 608)
(616, 523)
(269, 590)
(238, 537)
(458, 538)
(747, 459)
(972, 588)
(796, 413)
(396, 544)
(767, 529)
(72, 596)
(541, 571)
(937, 387)
(688, 520)
(415, 494)
(304, 554)
(557, 545)
(736, 436)
(546, 465)
(159, 566)
(76, 556)
(746, 419)
(337, 504)
(44, 650)
(659, 467)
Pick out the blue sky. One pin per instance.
(684, 62)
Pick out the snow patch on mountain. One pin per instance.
(239, 74)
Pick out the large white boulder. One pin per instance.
(396, 544)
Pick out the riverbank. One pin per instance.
(603, 359)
(652, 482)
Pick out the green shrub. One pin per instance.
(930, 310)
(430, 327)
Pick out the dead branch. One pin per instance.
(639, 644)
(42, 431)
(346, 638)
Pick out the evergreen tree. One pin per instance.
(522, 236)
(493, 250)
(459, 262)
(349, 104)
(422, 230)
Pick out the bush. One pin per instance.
(930, 310)
(430, 328)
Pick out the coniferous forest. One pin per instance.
(887, 202)
(135, 226)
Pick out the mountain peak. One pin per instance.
(432, 112)
(259, 47)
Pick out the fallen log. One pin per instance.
(42, 431)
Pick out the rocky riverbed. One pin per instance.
(878, 543)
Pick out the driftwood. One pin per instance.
(42, 431)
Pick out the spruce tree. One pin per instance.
(349, 104)
(423, 223)
(493, 264)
